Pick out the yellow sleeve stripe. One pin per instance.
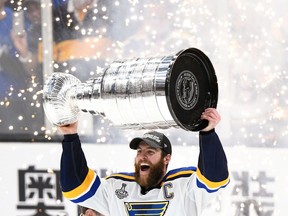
(81, 188)
(210, 184)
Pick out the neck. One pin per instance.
(144, 189)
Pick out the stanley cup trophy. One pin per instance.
(141, 93)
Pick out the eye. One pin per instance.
(150, 152)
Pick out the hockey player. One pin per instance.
(151, 190)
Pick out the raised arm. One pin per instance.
(73, 163)
(79, 183)
(212, 164)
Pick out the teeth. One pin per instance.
(144, 164)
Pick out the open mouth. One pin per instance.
(144, 167)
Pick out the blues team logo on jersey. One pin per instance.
(146, 208)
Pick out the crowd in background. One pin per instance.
(83, 37)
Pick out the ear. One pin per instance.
(167, 159)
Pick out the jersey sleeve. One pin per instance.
(211, 174)
(73, 167)
(212, 169)
(80, 184)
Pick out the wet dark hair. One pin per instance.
(82, 209)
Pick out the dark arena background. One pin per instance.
(246, 42)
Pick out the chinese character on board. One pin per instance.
(39, 191)
(251, 194)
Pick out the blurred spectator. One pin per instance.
(10, 67)
(28, 42)
(20, 101)
(12, 74)
(81, 36)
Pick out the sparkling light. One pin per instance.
(248, 55)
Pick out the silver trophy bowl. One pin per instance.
(140, 93)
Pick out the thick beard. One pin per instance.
(155, 175)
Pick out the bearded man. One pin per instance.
(151, 189)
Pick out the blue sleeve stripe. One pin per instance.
(89, 193)
(81, 189)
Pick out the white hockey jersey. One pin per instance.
(183, 191)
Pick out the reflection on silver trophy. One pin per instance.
(140, 93)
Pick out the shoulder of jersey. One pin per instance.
(180, 173)
(171, 175)
(122, 176)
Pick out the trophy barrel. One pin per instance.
(146, 93)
